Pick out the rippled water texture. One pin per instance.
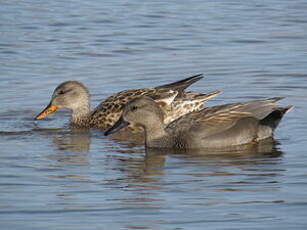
(53, 177)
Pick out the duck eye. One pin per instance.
(64, 91)
(61, 92)
(133, 108)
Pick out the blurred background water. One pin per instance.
(53, 177)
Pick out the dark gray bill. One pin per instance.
(121, 123)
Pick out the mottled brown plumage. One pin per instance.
(109, 111)
(172, 98)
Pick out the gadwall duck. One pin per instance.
(213, 127)
(172, 98)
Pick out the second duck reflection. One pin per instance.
(135, 165)
(76, 140)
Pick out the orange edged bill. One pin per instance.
(49, 109)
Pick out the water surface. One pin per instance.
(55, 177)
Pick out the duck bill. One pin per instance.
(121, 123)
(48, 110)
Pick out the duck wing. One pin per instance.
(181, 85)
(197, 124)
(190, 102)
(109, 110)
(217, 119)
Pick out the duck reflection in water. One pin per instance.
(152, 165)
(71, 145)
(73, 140)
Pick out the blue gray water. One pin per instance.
(53, 177)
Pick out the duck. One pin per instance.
(172, 98)
(216, 127)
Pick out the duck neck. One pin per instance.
(156, 136)
(80, 115)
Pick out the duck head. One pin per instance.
(142, 111)
(71, 95)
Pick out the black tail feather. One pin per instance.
(275, 117)
(182, 84)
